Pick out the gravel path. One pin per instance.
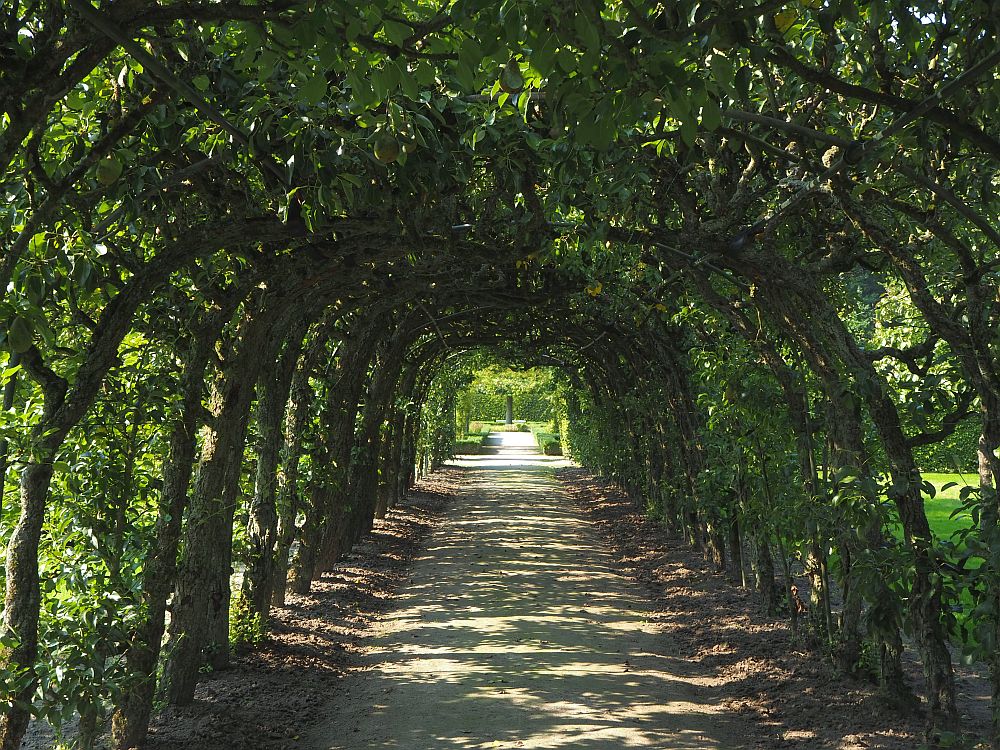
(514, 631)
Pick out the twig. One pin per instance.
(158, 69)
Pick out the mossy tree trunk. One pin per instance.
(297, 416)
(262, 529)
(199, 625)
(130, 721)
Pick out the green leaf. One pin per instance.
(464, 74)
(587, 32)
(200, 82)
(566, 58)
(81, 271)
(20, 335)
(689, 131)
(407, 81)
(396, 32)
(723, 72)
(34, 289)
(314, 89)
(542, 56)
(784, 20)
(711, 116)
(742, 82)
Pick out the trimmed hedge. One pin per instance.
(533, 406)
(500, 427)
(468, 446)
(549, 443)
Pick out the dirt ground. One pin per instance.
(792, 697)
(537, 597)
(274, 693)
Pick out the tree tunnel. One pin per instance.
(247, 248)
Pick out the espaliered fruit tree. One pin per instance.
(242, 245)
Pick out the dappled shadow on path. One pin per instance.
(515, 631)
(788, 692)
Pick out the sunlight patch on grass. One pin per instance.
(940, 508)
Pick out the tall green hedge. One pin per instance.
(532, 406)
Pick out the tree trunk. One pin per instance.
(396, 465)
(296, 418)
(305, 563)
(989, 533)
(764, 571)
(363, 481)
(9, 391)
(384, 480)
(130, 722)
(339, 440)
(200, 610)
(21, 605)
(736, 551)
(262, 528)
(22, 600)
(925, 596)
(199, 625)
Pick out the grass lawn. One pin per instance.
(940, 507)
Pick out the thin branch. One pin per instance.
(790, 127)
(949, 424)
(952, 200)
(908, 356)
(161, 71)
(52, 384)
(932, 110)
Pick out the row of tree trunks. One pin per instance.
(970, 332)
(63, 407)
(199, 625)
(363, 481)
(324, 539)
(297, 414)
(130, 722)
(262, 529)
(66, 401)
(796, 305)
(345, 462)
(397, 461)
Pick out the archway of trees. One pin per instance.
(246, 244)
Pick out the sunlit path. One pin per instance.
(515, 632)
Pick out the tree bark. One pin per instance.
(199, 625)
(262, 529)
(21, 605)
(296, 417)
(322, 540)
(130, 722)
(9, 390)
(363, 480)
